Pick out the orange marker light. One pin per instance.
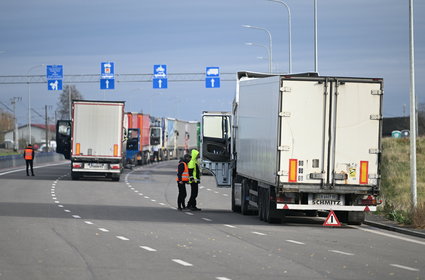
(293, 166)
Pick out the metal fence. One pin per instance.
(18, 160)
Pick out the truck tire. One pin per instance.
(244, 195)
(260, 204)
(355, 218)
(271, 215)
(75, 176)
(235, 208)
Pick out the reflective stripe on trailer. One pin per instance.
(325, 207)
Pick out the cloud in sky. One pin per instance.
(356, 38)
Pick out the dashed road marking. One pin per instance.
(183, 263)
(189, 213)
(76, 217)
(88, 222)
(122, 238)
(67, 211)
(103, 229)
(341, 252)
(222, 278)
(206, 219)
(148, 248)
(229, 226)
(404, 267)
(295, 242)
(258, 233)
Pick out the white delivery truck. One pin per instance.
(302, 143)
(97, 138)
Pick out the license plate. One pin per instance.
(326, 199)
(96, 165)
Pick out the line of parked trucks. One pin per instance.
(101, 138)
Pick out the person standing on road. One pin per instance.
(182, 179)
(194, 180)
(29, 158)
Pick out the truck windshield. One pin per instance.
(216, 127)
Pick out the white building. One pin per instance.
(38, 133)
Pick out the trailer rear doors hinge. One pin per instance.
(285, 114)
(284, 148)
(282, 173)
(286, 89)
(376, 92)
(376, 117)
(374, 151)
(317, 176)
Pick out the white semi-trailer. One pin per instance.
(97, 138)
(299, 143)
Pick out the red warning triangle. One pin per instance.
(285, 206)
(332, 220)
(366, 209)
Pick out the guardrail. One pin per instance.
(18, 160)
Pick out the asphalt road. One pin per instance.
(55, 228)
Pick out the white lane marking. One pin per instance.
(341, 252)
(140, 194)
(76, 216)
(215, 192)
(209, 190)
(60, 205)
(258, 233)
(222, 278)
(56, 201)
(146, 197)
(206, 219)
(148, 248)
(392, 236)
(182, 262)
(295, 242)
(88, 222)
(122, 238)
(163, 204)
(225, 194)
(189, 213)
(103, 229)
(404, 267)
(153, 200)
(67, 211)
(136, 191)
(230, 226)
(35, 167)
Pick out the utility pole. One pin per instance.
(15, 120)
(47, 129)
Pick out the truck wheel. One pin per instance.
(235, 208)
(75, 176)
(260, 204)
(355, 218)
(244, 195)
(271, 215)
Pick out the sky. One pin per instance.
(362, 38)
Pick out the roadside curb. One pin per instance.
(395, 228)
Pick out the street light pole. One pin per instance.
(289, 32)
(267, 49)
(29, 102)
(316, 63)
(413, 178)
(270, 42)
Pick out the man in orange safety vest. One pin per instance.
(29, 158)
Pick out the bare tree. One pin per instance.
(63, 102)
(6, 123)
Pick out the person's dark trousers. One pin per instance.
(30, 164)
(182, 195)
(193, 195)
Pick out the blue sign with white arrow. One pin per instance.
(160, 79)
(212, 77)
(54, 72)
(107, 83)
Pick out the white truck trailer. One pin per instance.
(97, 138)
(299, 143)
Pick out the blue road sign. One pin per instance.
(107, 70)
(212, 72)
(212, 82)
(159, 83)
(107, 83)
(54, 72)
(54, 84)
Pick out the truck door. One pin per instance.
(356, 132)
(63, 138)
(216, 146)
(303, 135)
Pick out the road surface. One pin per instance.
(54, 228)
